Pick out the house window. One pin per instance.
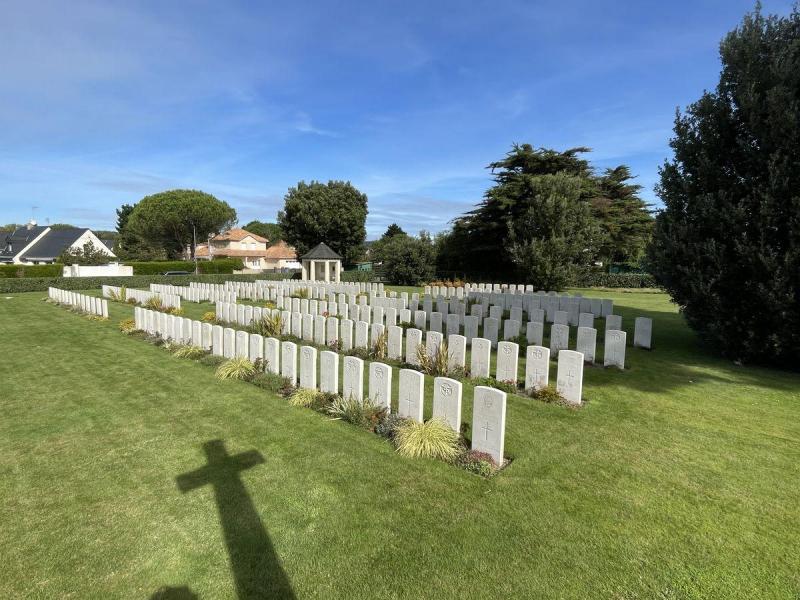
(256, 262)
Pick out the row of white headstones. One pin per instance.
(142, 296)
(89, 304)
(201, 293)
(320, 371)
(351, 334)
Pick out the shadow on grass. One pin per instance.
(257, 571)
(174, 593)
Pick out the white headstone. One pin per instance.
(308, 367)
(206, 336)
(380, 384)
(394, 342)
(490, 330)
(411, 394)
(217, 342)
(353, 380)
(643, 332)
(362, 331)
(413, 339)
(319, 330)
(329, 372)
(332, 330)
(479, 361)
(569, 379)
(229, 342)
(586, 343)
(471, 327)
(447, 401)
(586, 319)
(613, 322)
(457, 352)
(242, 344)
(507, 361)
(346, 334)
(559, 338)
(535, 332)
(272, 349)
(420, 319)
(489, 422)
(510, 329)
(289, 361)
(433, 342)
(537, 367)
(256, 347)
(614, 349)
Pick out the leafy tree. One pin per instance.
(175, 219)
(727, 244)
(393, 229)
(624, 219)
(334, 213)
(61, 226)
(535, 223)
(271, 231)
(408, 260)
(87, 255)
(377, 249)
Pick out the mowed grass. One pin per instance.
(679, 478)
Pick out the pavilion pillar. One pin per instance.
(327, 271)
(311, 275)
(304, 269)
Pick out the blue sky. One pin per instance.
(102, 103)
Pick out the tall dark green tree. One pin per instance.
(333, 212)
(535, 223)
(392, 230)
(271, 231)
(624, 219)
(727, 244)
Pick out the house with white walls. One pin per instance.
(34, 244)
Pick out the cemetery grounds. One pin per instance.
(678, 478)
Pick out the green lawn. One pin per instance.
(679, 478)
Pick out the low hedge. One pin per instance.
(39, 284)
(219, 265)
(14, 271)
(616, 280)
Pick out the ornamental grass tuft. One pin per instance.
(431, 439)
(236, 368)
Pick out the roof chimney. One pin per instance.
(31, 225)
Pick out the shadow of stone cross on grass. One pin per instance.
(257, 572)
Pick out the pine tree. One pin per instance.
(727, 244)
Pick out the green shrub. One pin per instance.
(216, 266)
(389, 424)
(273, 382)
(20, 271)
(431, 439)
(155, 303)
(476, 462)
(269, 325)
(127, 326)
(189, 351)
(364, 413)
(13, 285)
(212, 360)
(302, 293)
(615, 280)
(380, 347)
(433, 364)
(236, 368)
(505, 386)
(209, 317)
(356, 276)
(303, 397)
(546, 394)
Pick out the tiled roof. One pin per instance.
(237, 235)
(53, 244)
(282, 250)
(202, 252)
